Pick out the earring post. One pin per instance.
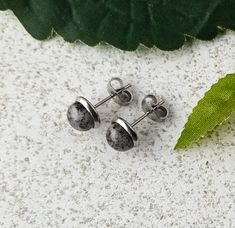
(112, 96)
(147, 113)
(103, 101)
(140, 119)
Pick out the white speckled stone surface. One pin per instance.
(54, 176)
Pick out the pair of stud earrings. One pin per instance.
(121, 135)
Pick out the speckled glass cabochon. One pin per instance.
(118, 138)
(79, 118)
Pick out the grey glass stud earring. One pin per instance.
(82, 115)
(121, 135)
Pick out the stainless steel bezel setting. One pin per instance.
(91, 109)
(128, 128)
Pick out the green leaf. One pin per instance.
(2, 6)
(125, 23)
(216, 106)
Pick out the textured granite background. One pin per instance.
(53, 176)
